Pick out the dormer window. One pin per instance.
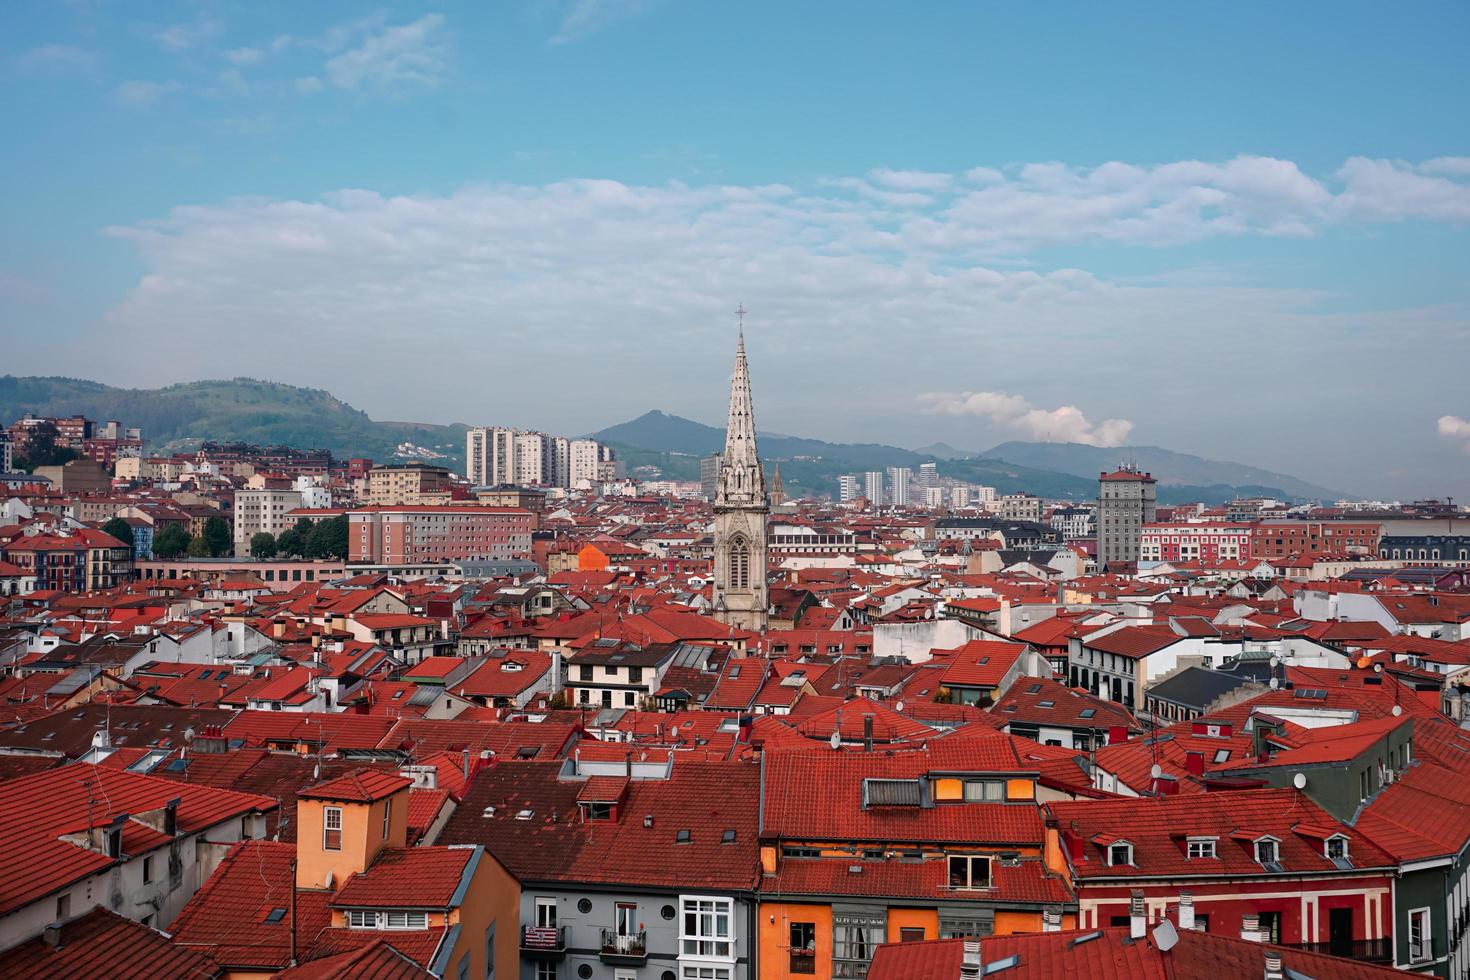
(1336, 847)
(1120, 853)
(1266, 852)
(1201, 847)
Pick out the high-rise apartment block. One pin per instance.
(496, 456)
(1126, 501)
(898, 485)
(873, 487)
(849, 488)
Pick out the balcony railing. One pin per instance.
(624, 947)
(803, 961)
(1364, 950)
(544, 942)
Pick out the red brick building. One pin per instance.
(1287, 539)
(409, 534)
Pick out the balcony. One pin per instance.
(1363, 950)
(546, 943)
(624, 948)
(803, 961)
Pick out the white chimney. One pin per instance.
(1250, 928)
(1273, 966)
(1051, 918)
(1186, 911)
(971, 965)
(1137, 916)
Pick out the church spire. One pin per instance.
(741, 478)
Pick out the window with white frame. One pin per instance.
(1337, 847)
(332, 828)
(706, 973)
(1201, 847)
(387, 919)
(1120, 852)
(1419, 944)
(705, 928)
(1266, 850)
(856, 933)
(969, 871)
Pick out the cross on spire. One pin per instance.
(740, 319)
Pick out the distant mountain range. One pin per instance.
(673, 446)
(656, 444)
(180, 417)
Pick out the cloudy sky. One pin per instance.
(1241, 231)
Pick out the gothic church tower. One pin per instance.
(741, 508)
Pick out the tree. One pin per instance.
(290, 544)
(42, 449)
(262, 545)
(120, 529)
(216, 537)
(199, 547)
(328, 539)
(171, 542)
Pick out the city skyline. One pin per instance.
(1018, 242)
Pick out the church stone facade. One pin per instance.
(741, 509)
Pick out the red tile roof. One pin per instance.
(378, 960)
(37, 811)
(102, 943)
(409, 877)
(364, 786)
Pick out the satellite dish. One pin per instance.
(898, 706)
(1166, 937)
(1299, 780)
(1275, 683)
(1397, 710)
(1156, 771)
(836, 740)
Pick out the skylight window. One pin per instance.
(682, 837)
(1087, 713)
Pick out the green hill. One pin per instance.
(180, 417)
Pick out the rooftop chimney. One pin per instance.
(1273, 966)
(52, 935)
(1051, 918)
(971, 965)
(1194, 762)
(1137, 915)
(1186, 911)
(1250, 927)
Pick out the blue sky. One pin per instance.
(1237, 231)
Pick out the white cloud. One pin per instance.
(140, 94)
(1454, 427)
(1014, 413)
(189, 34)
(1390, 190)
(244, 57)
(405, 55)
(584, 17)
(910, 180)
(438, 284)
(57, 58)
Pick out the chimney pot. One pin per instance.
(1186, 911)
(1273, 966)
(1250, 927)
(52, 934)
(1137, 915)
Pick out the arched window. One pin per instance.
(739, 571)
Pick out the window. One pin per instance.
(855, 935)
(1266, 850)
(706, 927)
(490, 952)
(1420, 947)
(1201, 847)
(706, 973)
(359, 919)
(147, 869)
(63, 907)
(984, 790)
(1337, 848)
(1270, 926)
(332, 828)
(545, 913)
(969, 871)
(739, 570)
(387, 816)
(970, 924)
(1120, 852)
(1222, 755)
(911, 935)
(546, 971)
(803, 947)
